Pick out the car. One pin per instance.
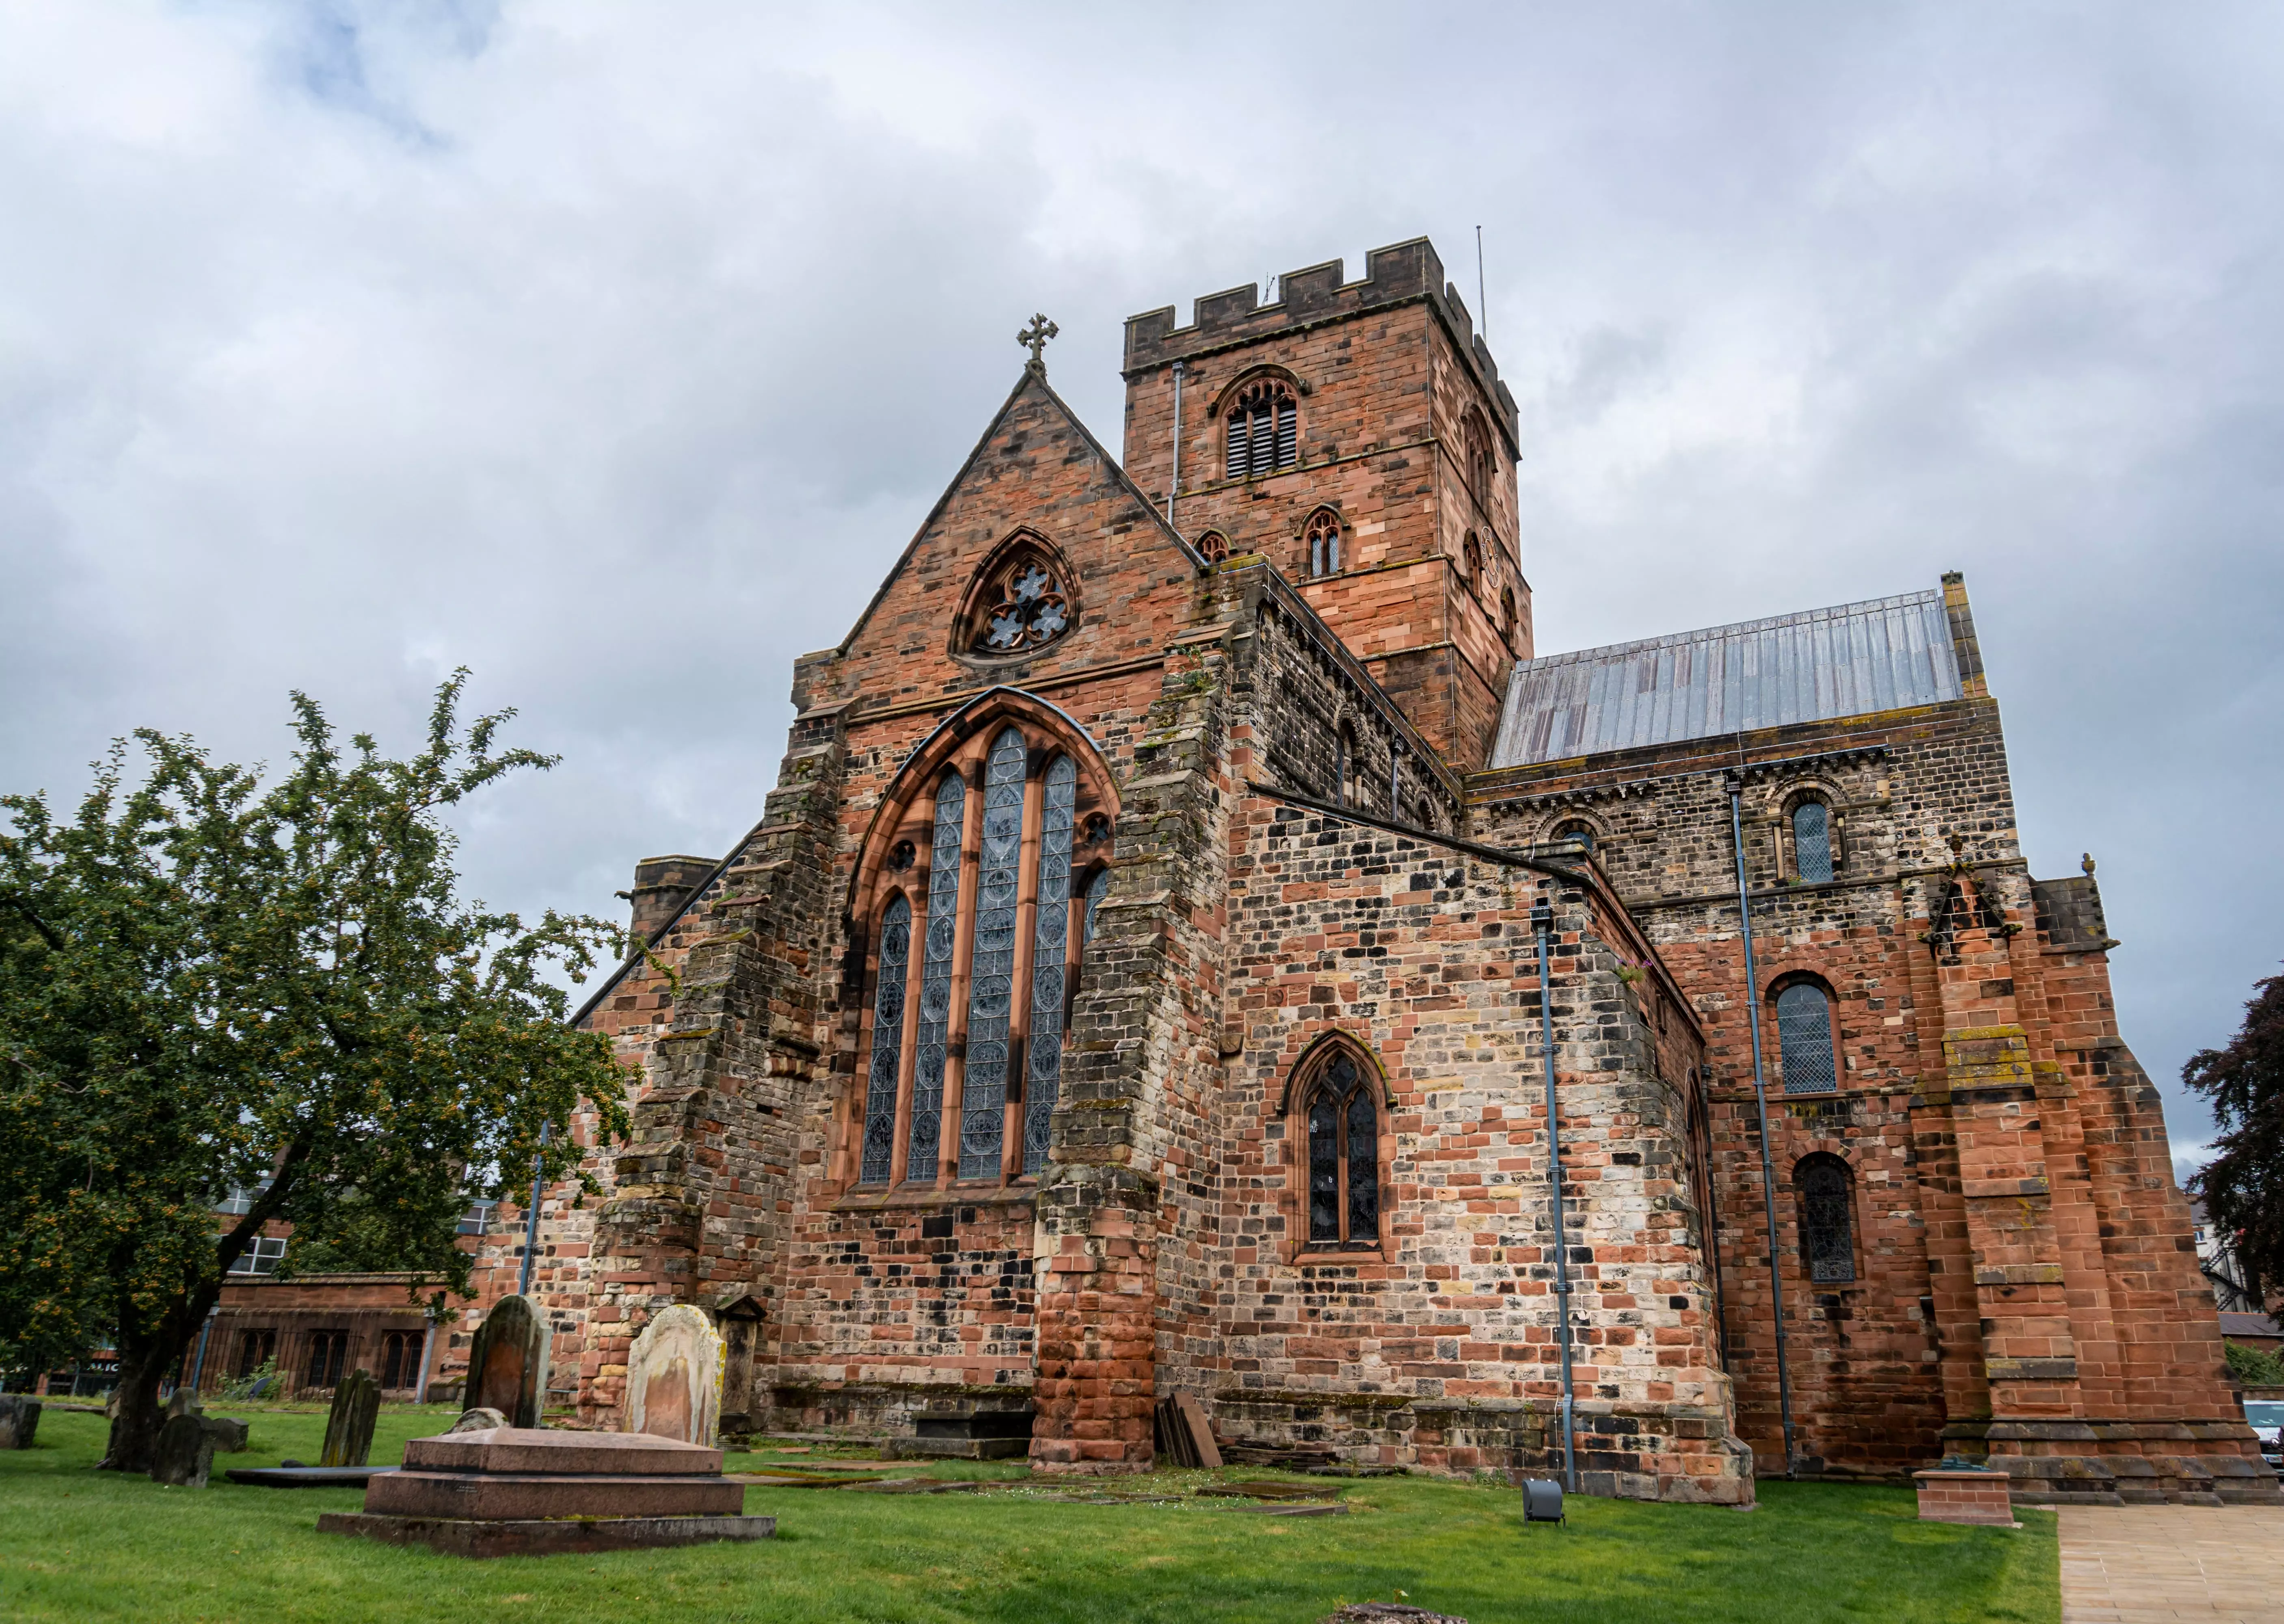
(2265, 1417)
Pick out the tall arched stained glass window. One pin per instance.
(936, 982)
(1050, 940)
(991, 974)
(1811, 840)
(1804, 1040)
(1827, 1237)
(888, 1043)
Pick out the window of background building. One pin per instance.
(262, 1255)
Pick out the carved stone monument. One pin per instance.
(674, 1378)
(183, 1455)
(348, 1428)
(507, 1362)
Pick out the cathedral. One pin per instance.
(1198, 945)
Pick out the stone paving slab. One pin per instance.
(2172, 1565)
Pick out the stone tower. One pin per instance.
(1356, 435)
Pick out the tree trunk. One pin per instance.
(134, 1428)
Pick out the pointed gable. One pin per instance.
(1038, 486)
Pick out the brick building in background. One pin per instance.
(1133, 986)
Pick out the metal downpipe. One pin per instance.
(1541, 921)
(1736, 786)
(531, 1220)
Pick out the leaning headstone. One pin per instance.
(507, 1362)
(475, 1421)
(19, 1419)
(674, 1378)
(229, 1434)
(186, 1402)
(183, 1455)
(348, 1427)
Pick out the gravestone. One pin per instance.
(19, 1419)
(674, 1378)
(475, 1421)
(348, 1427)
(229, 1434)
(183, 1455)
(507, 1362)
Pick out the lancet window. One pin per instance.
(990, 930)
(1343, 1169)
(1811, 840)
(1827, 1227)
(1323, 537)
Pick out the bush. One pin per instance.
(2254, 1368)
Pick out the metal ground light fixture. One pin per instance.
(1541, 925)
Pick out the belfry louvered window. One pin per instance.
(1343, 1154)
(1828, 1222)
(1804, 1040)
(1264, 430)
(994, 956)
(1811, 840)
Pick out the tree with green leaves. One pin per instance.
(206, 984)
(2243, 1185)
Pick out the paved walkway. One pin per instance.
(2172, 1564)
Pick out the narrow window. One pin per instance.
(400, 1359)
(1471, 561)
(1343, 1157)
(1050, 939)
(1476, 442)
(1323, 538)
(1344, 765)
(328, 1350)
(1507, 616)
(888, 1044)
(936, 982)
(1213, 547)
(991, 976)
(1097, 889)
(1804, 1040)
(1263, 432)
(1574, 831)
(1827, 1237)
(255, 1348)
(1811, 840)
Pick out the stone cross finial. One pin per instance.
(1034, 337)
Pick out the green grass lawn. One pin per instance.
(77, 1543)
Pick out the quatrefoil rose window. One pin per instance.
(1019, 604)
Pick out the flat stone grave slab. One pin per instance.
(506, 1491)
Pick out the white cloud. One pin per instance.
(615, 352)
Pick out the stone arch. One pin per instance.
(1025, 589)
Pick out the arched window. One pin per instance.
(1343, 1152)
(927, 1111)
(1475, 443)
(1213, 547)
(1507, 616)
(989, 1058)
(1575, 830)
(1804, 1040)
(1264, 431)
(1344, 765)
(1811, 840)
(1827, 1226)
(1097, 889)
(1423, 813)
(1323, 535)
(1019, 601)
(1471, 561)
(887, 1043)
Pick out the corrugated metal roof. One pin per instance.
(1810, 667)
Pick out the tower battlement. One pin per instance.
(1401, 273)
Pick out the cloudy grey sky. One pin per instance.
(614, 351)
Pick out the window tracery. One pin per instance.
(1343, 1168)
(1323, 536)
(1031, 611)
(1213, 547)
(983, 1046)
(1264, 431)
